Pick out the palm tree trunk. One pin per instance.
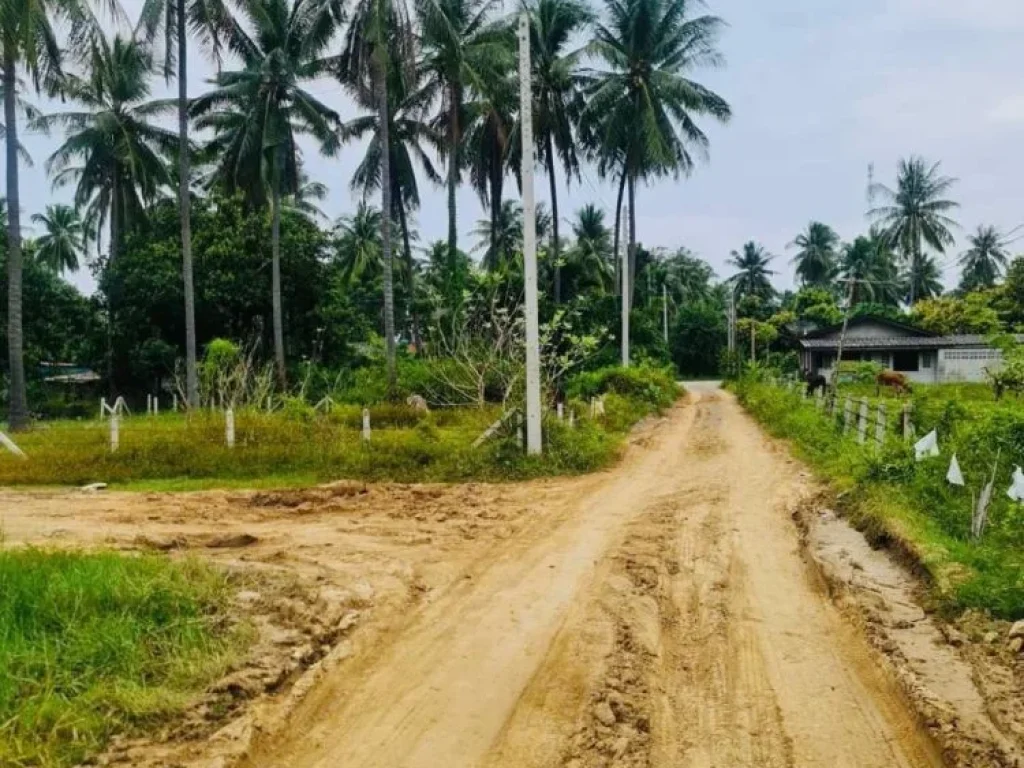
(914, 261)
(185, 213)
(453, 181)
(554, 220)
(18, 406)
(497, 177)
(384, 119)
(618, 228)
(631, 260)
(275, 250)
(410, 280)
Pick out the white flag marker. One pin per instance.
(927, 446)
(1016, 490)
(954, 476)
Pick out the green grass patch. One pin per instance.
(890, 494)
(100, 643)
(296, 446)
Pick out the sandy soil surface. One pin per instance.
(696, 606)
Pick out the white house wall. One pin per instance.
(967, 364)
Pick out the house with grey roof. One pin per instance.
(923, 356)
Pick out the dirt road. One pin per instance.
(661, 615)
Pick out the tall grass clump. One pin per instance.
(100, 643)
(910, 503)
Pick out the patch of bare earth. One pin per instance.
(667, 613)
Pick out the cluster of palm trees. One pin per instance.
(889, 265)
(436, 79)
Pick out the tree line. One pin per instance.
(437, 85)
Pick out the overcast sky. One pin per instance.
(820, 90)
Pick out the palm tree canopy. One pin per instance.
(589, 264)
(642, 106)
(754, 275)
(917, 210)
(554, 24)
(258, 112)
(359, 243)
(63, 240)
(112, 148)
(507, 240)
(986, 259)
(922, 279)
(816, 259)
(870, 263)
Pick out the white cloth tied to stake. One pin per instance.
(954, 476)
(927, 446)
(1016, 490)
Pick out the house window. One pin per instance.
(926, 360)
(906, 362)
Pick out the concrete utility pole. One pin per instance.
(534, 443)
(664, 310)
(625, 301)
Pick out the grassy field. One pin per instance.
(894, 497)
(93, 644)
(297, 446)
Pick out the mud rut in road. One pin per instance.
(662, 613)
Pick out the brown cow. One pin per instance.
(899, 382)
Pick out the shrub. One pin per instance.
(654, 386)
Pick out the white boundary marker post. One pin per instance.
(561, 411)
(862, 422)
(156, 405)
(7, 443)
(115, 433)
(366, 434)
(229, 427)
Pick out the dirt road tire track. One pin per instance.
(665, 618)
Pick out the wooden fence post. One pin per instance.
(881, 422)
(847, 415)
(229, 427)
(908, 425)
(862, 422)
(115, 433)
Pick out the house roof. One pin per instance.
(898, 342)
(900, 329)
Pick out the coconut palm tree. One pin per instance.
(984, 262)
(642, 106)
(869, 267)
(464, 55)
(410, 136)
(257, 114)
(816, 260)
(359, 247)
(754, 275)
(915, 213)
(209, 20)
(114, 154)
(500, 244)
(590, 260)
(29, 44)
(62, 243)
(379, 42)
(558, 99)
(922, 279)
(304, 201)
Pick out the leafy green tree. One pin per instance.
(114, 154)
(554, 25)
(463, 51)
(973, 313)
(815, 306)
(642, 106)
(29, 43)
(754, 275)
(916, 214)
(62, 243)
(257, 114)
(208, 20)
(816, 260)
(984, 262)
(1009, 297)
(697, 338)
